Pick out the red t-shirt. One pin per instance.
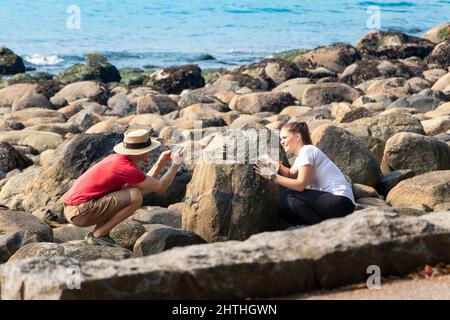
(107, 176)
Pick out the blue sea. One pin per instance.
(54, 34)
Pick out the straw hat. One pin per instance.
(136, 142)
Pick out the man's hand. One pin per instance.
(264, 170)
(178, 157)
(164, 158)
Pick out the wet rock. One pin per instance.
(394, 45)
(390, 180)
(10, 63)
(176, 79)
(11, 159)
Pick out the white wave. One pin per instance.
(41, 60)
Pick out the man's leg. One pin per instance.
(103, 229)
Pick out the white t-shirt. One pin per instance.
(326, 176)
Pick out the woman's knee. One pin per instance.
(136, 196)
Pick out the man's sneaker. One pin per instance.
(100, 241)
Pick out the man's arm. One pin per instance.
(161, 185)
(162, 161)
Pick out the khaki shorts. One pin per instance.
(97, 211)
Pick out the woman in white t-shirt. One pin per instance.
(329, 194)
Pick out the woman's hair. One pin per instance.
(299, 127)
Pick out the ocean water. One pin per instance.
(54, 34)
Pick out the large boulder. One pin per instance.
(440, 55)
(14, 187)
(422, 192)
(191, 98)
(40, 140)
(71, 160)
(10, 63)
(328, 255)
(31, 228)
(390, 180)
(91, 90)
(385, 126)
(295, 87)
(416, 102)
(406, 150)
(349, 153)
(176, 79)
(335, 57)
(326, 93)
(10, 242)
(158, 215)
(95, 68)
(70, 233)
(160, 238)
(236, 81)
(79, 250)
(11, 159)
(363, 70)
(394, 45)
(22, 96)
(438, 34)
(274, 70)
(156, 103)
(261, 101)
(225, 199)
(443, 83)
(126, 233)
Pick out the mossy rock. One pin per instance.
(96, 68)
(132, 76)
(30, 77)
(290, 54)
(211, 75)
(10, 63)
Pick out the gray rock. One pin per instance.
(79, 250)
(70, 233)
(331, 254)
(31, 228)
(349, 153)
(160, 238)
(156, 103)
(126, 233)
(389, 181)
(406, 150)
(417, 102)
(261, 101)
(176, 79)
(422, 192)
(325, 93)
(11, 159)
(158, 215)
(226, 200)
(83, 120)
(10, 242)
(394, 45)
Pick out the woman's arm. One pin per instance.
(300, 182)
(287, 172)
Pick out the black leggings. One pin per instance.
(312, 206)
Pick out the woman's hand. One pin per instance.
(264, 170)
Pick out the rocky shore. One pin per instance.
(380, 109)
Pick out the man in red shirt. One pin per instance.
(111, 190)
